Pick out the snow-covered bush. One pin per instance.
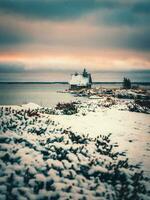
(142, 106)
(41, 160)
(67, 108)
(143, 103)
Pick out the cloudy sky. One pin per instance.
(47, 36)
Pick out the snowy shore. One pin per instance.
(90, 150)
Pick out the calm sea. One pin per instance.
(41, 94)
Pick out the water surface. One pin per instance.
(41, 94)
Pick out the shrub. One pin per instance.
(138, 105)
(143, 103)
(67, 108)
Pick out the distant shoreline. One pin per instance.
(138, 83)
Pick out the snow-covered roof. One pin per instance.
(79, 80)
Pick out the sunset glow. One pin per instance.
(67, 35)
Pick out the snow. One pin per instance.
(23, 106)
(129, 129)
(94, 97)
(44, 155)
(97, 169)
(31, 106)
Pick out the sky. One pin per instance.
(40, 37)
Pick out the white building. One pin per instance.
(82, 80)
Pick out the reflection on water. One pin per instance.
(41, 94)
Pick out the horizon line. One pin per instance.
(65, 82)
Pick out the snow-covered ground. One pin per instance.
(130, 129)
(45, 154)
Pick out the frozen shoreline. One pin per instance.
(54, 153)
(130, 130)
